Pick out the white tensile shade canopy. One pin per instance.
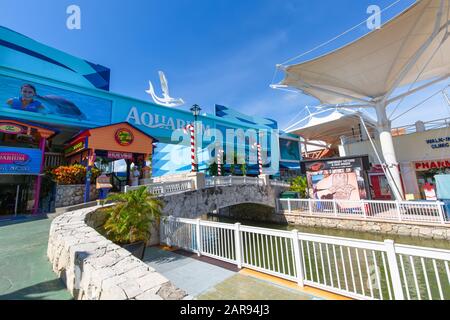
(383, 60)
(413, 48)
(330, 125)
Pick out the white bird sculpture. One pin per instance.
(166, 100)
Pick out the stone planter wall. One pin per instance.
(434, 231)
(94, 268)
(69, 195)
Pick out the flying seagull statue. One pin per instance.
(166, 100)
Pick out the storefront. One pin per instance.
(120, 141)
(339, 178)
(422, 149)
(22, 148)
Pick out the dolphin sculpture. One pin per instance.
(61, 106)
(166, 100)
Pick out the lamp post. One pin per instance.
(195, 109)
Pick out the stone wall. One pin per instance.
(431, 231)
(69, 195)
(94, 268)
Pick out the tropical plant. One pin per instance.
(74, 174)
(129, 220)
(299, 184)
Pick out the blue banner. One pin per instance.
(20, 161)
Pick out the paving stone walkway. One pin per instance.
(206, 281)
(25, 272)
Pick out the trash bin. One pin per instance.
(290, 195)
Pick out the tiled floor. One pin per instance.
(206, 281)
(243, 287)
(25, 272)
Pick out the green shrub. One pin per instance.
(299, 184)
(130, 219)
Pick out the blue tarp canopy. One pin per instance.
(443, 186)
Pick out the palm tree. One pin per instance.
(130, 219)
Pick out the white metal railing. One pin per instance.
(232, 180)
(413, 211)
(165, 187)
(356, 268)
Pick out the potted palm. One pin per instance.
(129, 221)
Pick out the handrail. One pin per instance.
(412, 211)
(356, 268)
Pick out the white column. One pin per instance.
(237, 242)
(387, 148)
(298, 258)
(199, 237)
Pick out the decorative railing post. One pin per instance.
(397, 205)
(298, 258)
(310, 206)
(237, 244)
(334, 207)
(441, 212)
(394, 271)
(289, 205)
(198, 236)
(364, 210)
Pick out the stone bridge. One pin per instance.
(195, 203)
(193, 196)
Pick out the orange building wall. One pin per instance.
(104, 139)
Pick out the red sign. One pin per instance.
(124, 137)
(427, 165)
(13, 158)
(120, 155)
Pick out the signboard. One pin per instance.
(75, 147)
(332, 164)
(438, 143)
(119, 155)
(338, 179)
(11, 128)
(22, 161)
(428, 165)
(124, 137)
(103, 181)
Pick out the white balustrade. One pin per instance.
(356, 268)
(165, 188)
(411, 211)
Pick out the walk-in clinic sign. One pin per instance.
(20, 161)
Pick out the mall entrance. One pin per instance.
(16, 194)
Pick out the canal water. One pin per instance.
(413, 241)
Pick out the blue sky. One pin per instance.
(212, 51)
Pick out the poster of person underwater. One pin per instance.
(25, 99)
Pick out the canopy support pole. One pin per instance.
(387, 148)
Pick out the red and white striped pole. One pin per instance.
(190, 128)
(260, 160)
(219, 163)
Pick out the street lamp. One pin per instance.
(195, 111)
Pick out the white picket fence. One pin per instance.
(232, 180)
(413, 211)
(355, 268)
(164, 188)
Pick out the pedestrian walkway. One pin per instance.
(208, 279)
(25, 272)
